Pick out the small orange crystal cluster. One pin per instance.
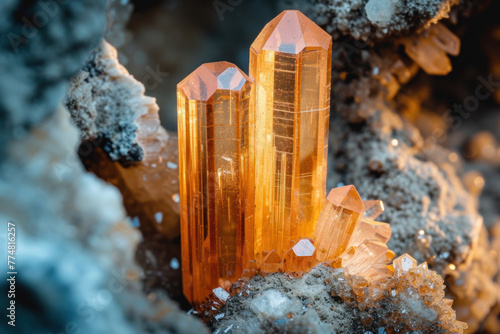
(430, 49)
(345, 236)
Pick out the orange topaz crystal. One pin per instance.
(337, 222)
(216, 135)
(290, 62)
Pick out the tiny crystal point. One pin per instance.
(404, 263)
(304, 248)
(445, 39)
(448, 302)
(373, 209)
(272, 262)
(389, 256)
(220, 293)
(430, 50)
(299, 258)
(348, 198)
(337, 222)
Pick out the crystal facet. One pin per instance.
(216, 176)
(300, 258)
(373, 209)
(303, 248)
(272, 262)
(367, 252)
(371, 230)
(404, 263)
(290, 61)
(341, 214)
(430, 51)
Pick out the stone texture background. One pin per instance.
(74, 233)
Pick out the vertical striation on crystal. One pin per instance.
(290, 62)
(337, 222)
(363, 256)
(216, 134)
(370, 230)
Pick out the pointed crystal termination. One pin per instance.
(337, 222)
(430, 51)
(215, 123)
(290, 61)
(300, 258)
(373, 209)
(272, 262)
(403, 263)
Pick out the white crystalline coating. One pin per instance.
(219, 316)
(272, 303)
(220, 293)
(380, 12)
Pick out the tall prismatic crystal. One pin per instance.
(290, 62)
(216, 164)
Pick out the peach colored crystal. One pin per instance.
(339, 218)
(370, 230)
(215, 122)
(373, 209)
(430, 50)
(300, 258)
(290, 61)
(404, 263)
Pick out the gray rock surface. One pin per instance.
(371, 19)
(75, 247)
(419, 194)
(74, 243)
(105, 104)
(326, 301)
